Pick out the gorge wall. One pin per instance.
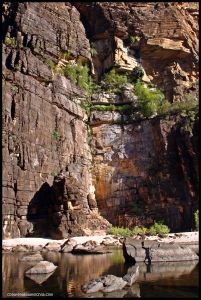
(66, 173)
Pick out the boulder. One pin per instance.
(20, 248)
(154, 251)
(35, 248)
(110, 241)
(68, 245)
(108, 283)
(33, 257)
(52, 247)
(86, 249)
(113, 283)
(43, 267)
(132, 276)
(93, 286)
(39, 278)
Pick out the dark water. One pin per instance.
(172, 280)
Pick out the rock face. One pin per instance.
(44, 133)
(142, 171)
(60, 177)
(166, 37)
(42, 267)
(153, 251)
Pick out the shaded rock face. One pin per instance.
(49, 188)
(146, 171)
(44, 132)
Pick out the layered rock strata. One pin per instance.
(48, 185)
(141, 169)
(44, 133)
(166, 37)
(153, 251)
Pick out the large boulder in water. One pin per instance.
(154, 251)
(108, 283)
(43, 267)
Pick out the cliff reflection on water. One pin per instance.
(75, 270)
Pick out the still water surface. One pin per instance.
(172, 280)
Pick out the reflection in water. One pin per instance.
(75, 270)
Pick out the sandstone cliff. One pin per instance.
(62, 171)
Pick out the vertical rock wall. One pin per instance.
(44, 133)
(146, 171)
(57, 176)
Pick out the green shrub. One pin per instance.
(66, 55)
(167, 108)
(17, 67)
(55, 135)
(93, 51)
(126, 108)
(120, 231)
(80, 75)
(10, 41)
(114, 79)
(189, 121)
(86, 105)
(14, 89)
(148, 100)
(83, 76)
(137, 73)
(133, 39)
(139, 230)
(54, 173)
(196, 219)
(158, 228)
(70, 71)
(51, 63)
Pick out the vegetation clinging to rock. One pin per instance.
(114, 79)
(10, 41)
(156, 228)
(149, 100)
(196, 219)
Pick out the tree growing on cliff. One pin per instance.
(149, 100)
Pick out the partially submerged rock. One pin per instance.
(21, 248)
(112, 283)
(53, 247)
(108, 283)
(68, 245)
(90, 247)
(132, 276)
(43, 267)
(154, 251)
(39, 278)
(33, 257)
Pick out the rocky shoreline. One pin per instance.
(94, 244)
(39, 267)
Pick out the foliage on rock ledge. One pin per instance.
(156, 228)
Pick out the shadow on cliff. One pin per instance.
(182, 167)
(38, 210)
